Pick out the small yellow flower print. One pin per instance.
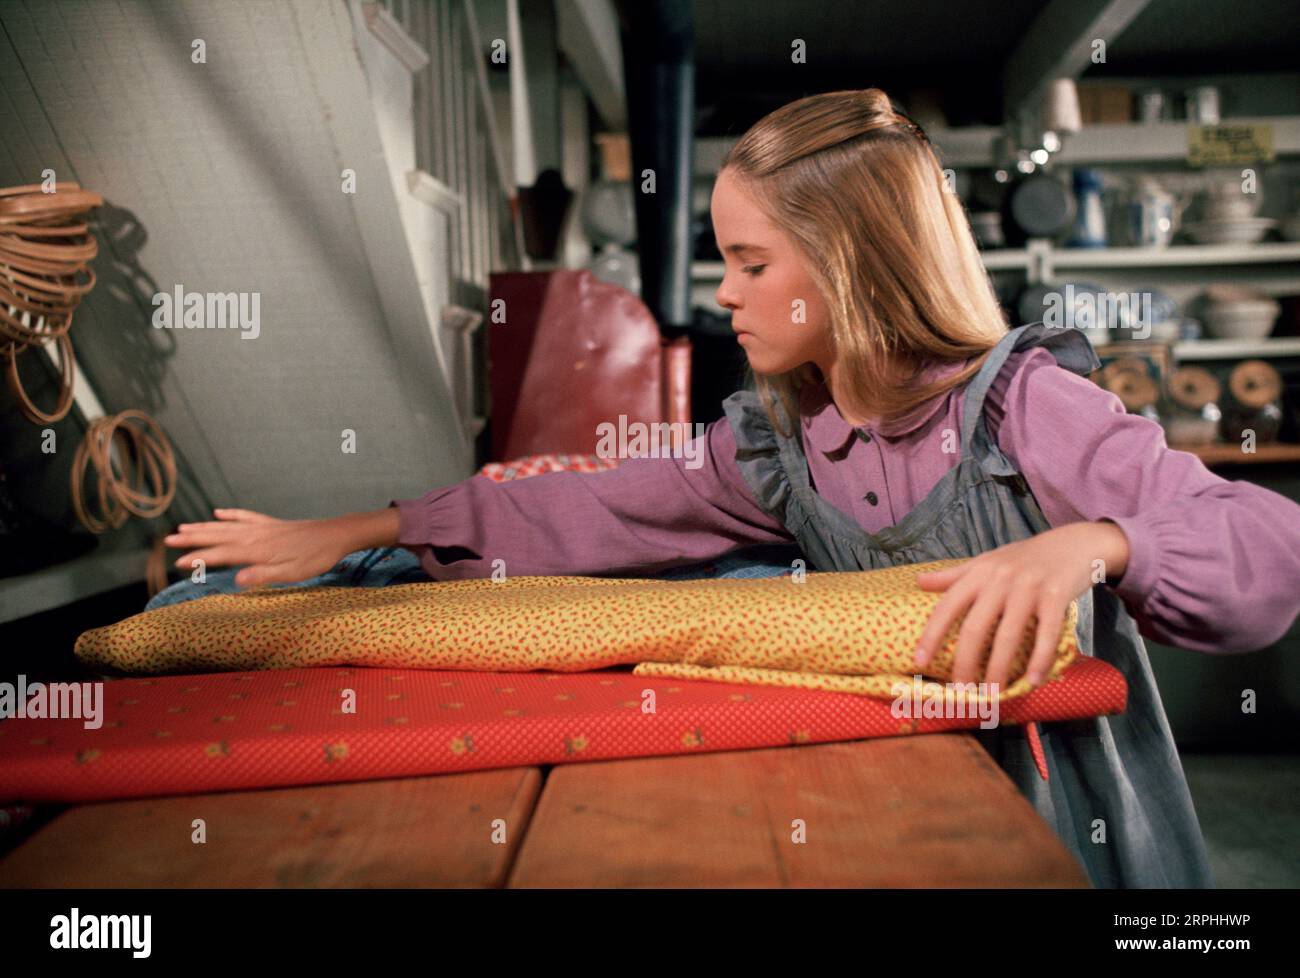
(218, 749)
(799, 736)
(86, 756)
(335, 752)
(575, 745)
(462, 745)
(693, 738)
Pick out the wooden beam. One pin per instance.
(1059, 44)
(588, 36)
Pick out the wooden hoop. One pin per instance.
(67, 376)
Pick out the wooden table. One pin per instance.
(932, 810)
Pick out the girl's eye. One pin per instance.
(753, 269)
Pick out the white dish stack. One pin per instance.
(1228, 216)
(1235, 313)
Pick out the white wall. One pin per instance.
(225, 177)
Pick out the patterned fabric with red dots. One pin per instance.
(172, 735)
(530, 465)
(852, 632)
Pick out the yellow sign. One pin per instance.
(1228, 144)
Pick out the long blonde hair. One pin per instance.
(856, 186)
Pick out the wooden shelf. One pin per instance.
(1002, 259)
(1121, 142)
(1270, 346)
(1175, 256)
(1231, 454)
(1053, 258)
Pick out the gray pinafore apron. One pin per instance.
(1115, 795)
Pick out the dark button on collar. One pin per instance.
(871, 498)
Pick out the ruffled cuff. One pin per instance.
(437, 527)
(1142, 571)
(413, 524)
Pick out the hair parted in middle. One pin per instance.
(858, 189)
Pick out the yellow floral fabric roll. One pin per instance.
(845, 631)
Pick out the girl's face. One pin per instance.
(776, 309)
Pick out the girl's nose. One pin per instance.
(726, 296)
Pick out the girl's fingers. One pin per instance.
(940, 580)
(250, 577)
(259, 574)
(976, 628)
(199, 534)
(211, 557)
(222, 556)
(1011, 629)
(950, 607)
(1046, 639)
(247, 515)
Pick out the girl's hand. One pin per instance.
(1006, 587)
(279, 551)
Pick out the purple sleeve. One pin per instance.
(1214, 566)
(648, 514)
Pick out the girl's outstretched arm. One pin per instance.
(645, 515)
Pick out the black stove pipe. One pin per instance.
(658, 39)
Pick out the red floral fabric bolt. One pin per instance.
(171, 735)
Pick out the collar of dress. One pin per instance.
(826, 428)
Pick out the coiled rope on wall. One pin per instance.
(121, 493)
(45, 251)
